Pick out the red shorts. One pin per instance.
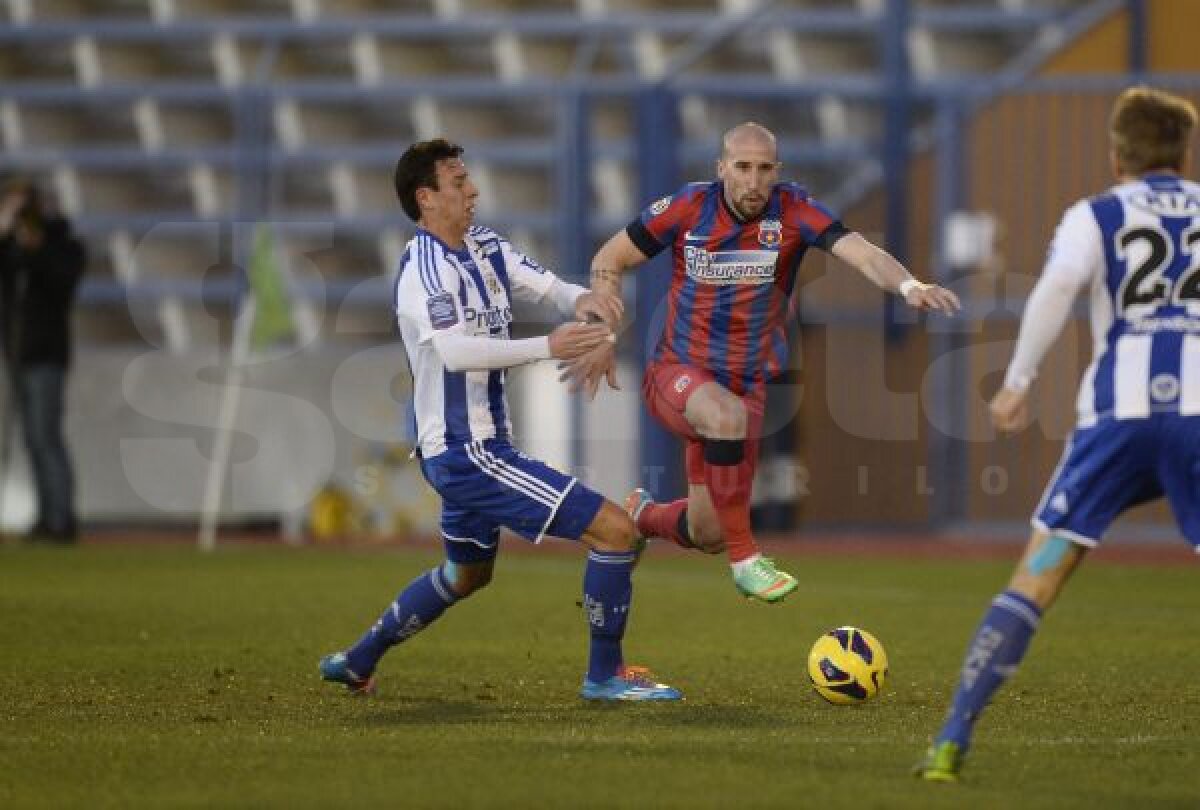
(667, 387)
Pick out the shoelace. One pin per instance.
(765, 567)
(638, 676)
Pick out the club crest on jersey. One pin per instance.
(682, 383)
(770, 233)
(660, 205)
(491, 282)
(1164, 387)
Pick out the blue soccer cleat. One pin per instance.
(335, 669)
(631, 683)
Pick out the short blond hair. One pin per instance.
(1151, 129)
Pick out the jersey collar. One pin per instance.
(421, 231)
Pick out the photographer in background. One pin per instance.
(40, 266)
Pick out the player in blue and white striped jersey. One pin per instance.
(453, 303)
(1136, 249)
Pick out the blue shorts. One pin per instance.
(1116, 464)
(488, 484)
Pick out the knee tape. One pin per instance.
(724, 452)
(1048, 557)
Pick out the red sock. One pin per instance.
(729, 487)
(665, 520)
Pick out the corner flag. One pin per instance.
(273, 306)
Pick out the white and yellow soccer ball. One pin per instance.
(847, 666)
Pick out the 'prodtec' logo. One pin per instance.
(489, 318)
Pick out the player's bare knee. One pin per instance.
(717, 414)
(729, 420)
(467, 579)
(612, 530)
(707, 538)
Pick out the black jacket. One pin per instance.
(37, 289)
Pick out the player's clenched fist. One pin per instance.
(1009, 410)
(571, 340)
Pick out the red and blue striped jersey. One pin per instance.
(731, 281)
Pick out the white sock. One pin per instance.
(739, 567)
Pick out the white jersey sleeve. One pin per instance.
(530, 281)
(426, 296)
(1076, 256)
(1076, 253)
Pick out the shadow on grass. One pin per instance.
(442, 711)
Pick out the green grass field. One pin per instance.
(157, 676)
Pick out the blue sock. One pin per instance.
(994, 653)
(607, 590)
(417, 606)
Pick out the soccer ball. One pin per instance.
(847, 666)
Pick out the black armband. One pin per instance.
(724, 452)
(640, 235)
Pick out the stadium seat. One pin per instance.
(139, 120)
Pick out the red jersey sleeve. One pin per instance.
(657, 225)
(817, 223)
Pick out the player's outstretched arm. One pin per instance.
(1046, 314)
(888, 274)
(569, 341)
(616, 257)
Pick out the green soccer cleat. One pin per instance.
(942, 763)
(763, 581)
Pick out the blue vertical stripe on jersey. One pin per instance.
(462, 290)
(718, 336)
(1110, 216)
(760, 309)
(396, 284)
(1103, 395)
(779, 347)
(1166, 357)
(1175, 226)
(496, 260)
(428, 264)
(1166, 351)
(722, 315)
(684, 309)
(495, 389)
(454, 395)
(477, 277)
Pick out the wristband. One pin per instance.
(910, 284)
(1018, 381)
